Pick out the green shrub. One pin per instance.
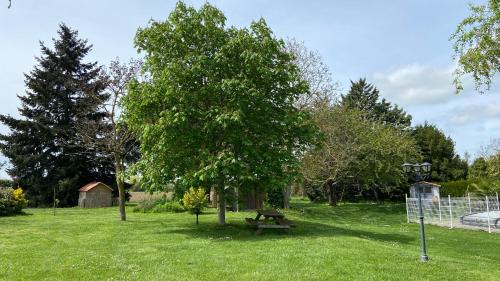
(145, 206)
(478, 187)
(484, 187)
(6, 183)
(12, 201)
(275, 198)
(456, 188)
(159, 206)
(314, 192)
(170, 206)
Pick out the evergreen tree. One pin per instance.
(365, 97)
(43, 146)
(439, 150)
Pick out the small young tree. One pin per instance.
(195, 200)
(111, 137)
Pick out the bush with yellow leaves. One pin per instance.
(195, 200)
(12, 201)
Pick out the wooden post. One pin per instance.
(451, 215)
(470, 209)
(439, 206)
(488, 212)
(54, 200)
(221, 198)
(407, 213)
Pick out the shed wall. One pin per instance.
(99, 196)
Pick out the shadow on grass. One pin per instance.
(305, 229)
(21, 214)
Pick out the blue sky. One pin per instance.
(400, 46)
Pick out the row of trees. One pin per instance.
(366, 139)
(214, 106)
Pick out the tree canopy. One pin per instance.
(477, 47)
(439, 150)
(353, 147)
(219, 107)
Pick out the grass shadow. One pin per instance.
(242, 232)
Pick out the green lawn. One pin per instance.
(351, 242)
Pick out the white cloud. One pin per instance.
(427, 93)
(416, 84)
(474, 112)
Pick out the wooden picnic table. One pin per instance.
(272, 219)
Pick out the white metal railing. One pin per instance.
(469, 211)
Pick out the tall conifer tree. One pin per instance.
(365, 97)
(42, 146)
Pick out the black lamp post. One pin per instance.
(419, 172)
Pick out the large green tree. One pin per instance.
(477, 46)
(43, 148)
(219, 109)
(439, 150)
(366, 98)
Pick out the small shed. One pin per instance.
(95, 195)
(429, 190)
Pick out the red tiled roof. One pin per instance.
(91, 185)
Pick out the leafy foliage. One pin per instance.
(476, 187)
(457, 188)
(275, 198)
(479, 168)
(159, 206)
(354, 147)
(12, 201)
(6, 183)
(219, 107)
(195, 200)
(43, 146)
(484, 187)
(477, 47)
(365, 97)
(439, 150)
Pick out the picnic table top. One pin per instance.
(270, 213)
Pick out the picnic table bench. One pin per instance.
(272, 219)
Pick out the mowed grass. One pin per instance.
(350, 242)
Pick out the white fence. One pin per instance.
(461, 212)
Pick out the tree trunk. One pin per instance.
(235, 200)
(213, 197)
(121, 189)
(197, 217)
(332, 196)
(287, 192)
(221, 200)
(376, 195)
(121, 199)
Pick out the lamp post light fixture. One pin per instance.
(418, 173)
